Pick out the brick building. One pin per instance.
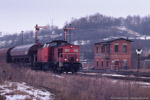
(113, 54)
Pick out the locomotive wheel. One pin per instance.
(60, 71)
(66, 72)
(72, 70)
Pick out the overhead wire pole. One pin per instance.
(37, 28)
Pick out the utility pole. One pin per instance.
(22, 37)
(52, 24)
(70, 32)
(37, 29)
(65, 31)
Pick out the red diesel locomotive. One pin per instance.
(58, 56)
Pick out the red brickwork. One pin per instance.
(114, 54)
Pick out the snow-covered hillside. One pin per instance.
(123, 28)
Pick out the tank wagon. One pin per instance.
(5, 55)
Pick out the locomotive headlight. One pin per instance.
(65, 59)
(77, 59)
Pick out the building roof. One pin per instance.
(112, 40)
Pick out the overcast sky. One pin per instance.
(18, 15)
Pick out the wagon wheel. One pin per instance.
(59, 71)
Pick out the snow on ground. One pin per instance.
(141, 37)
(53, 36)
(123, 28)
(81, 42)
(20, 91)
(117, 75)
(88, 73)
(143, 84)
(2, 43)
(57, 76)
(112, 37)
(136, 34)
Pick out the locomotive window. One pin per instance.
(67, 50)
(53, 44)
(60, 52)
(75, 50)
(45, 45)
(63, 43)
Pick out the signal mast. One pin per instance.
(37, 28)
(65, 31)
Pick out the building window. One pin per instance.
(102, 49)
(116, 48)
(102, 63)
(116, 65)
(97, 63)
(107, 63)
(108, 49)
(96, 49)
(125, 48)
(125, 64)
(147, 63)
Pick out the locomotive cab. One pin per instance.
(66, 56)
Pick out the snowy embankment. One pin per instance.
(20, 91)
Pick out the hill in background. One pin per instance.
(89, 30)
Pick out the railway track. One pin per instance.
(121, 72)
(120, 75)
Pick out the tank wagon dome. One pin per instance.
(24, 49)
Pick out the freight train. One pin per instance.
(58, 56)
